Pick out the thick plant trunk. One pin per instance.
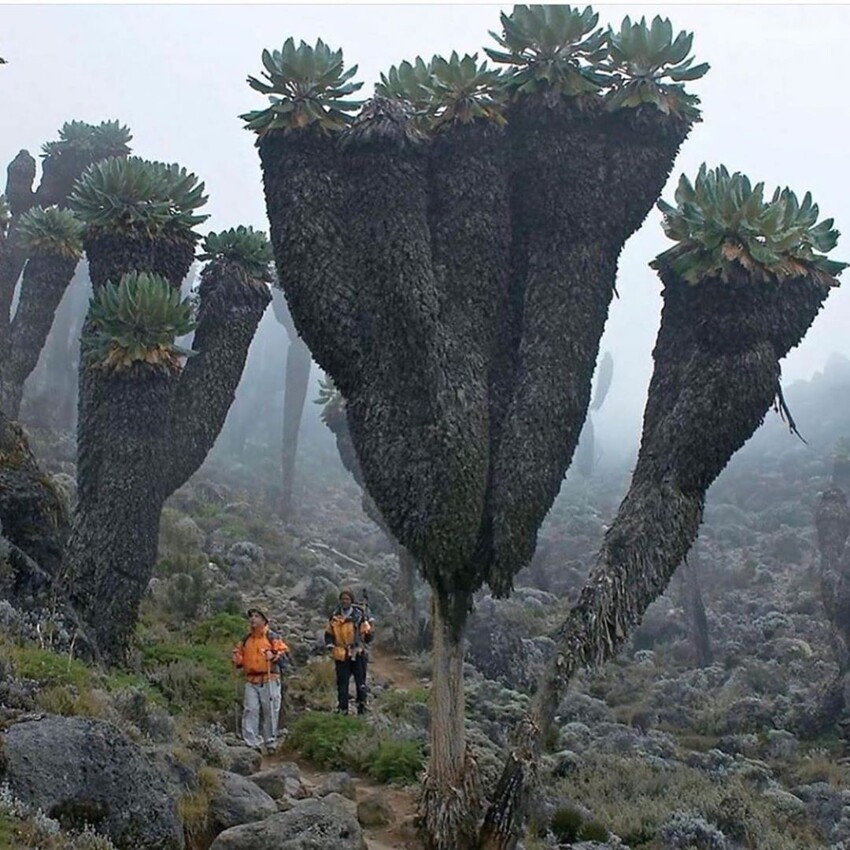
(63, 353)
(470, 222)
(450, 798)
(230, 310)
(121, 428)
(113, 543)
(298, 363)
(697, 620)
(420, 452)
(303, 194)
(406, 618)
(833, 526)
(20, 175)
(582, 183)
(716, 375)
(46, 277)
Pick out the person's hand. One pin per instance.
(269, 654)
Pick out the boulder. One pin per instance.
(238, 800)
(242, 760)
(78, 770)
(374, 810)
(338, 783)
(310, 825)
(282, 780)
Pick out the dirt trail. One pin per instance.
(394, 670)
(398, 835)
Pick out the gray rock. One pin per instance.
(282, 780)
(80, 770)
(374, 810)
(238, 800)
(242, 760)
(311, 825)
(338, 783)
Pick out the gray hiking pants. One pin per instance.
(259, 699)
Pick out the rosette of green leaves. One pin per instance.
(461, 91)
(552, 50)
(331, 400)
(51, 231)
(305, 86)
(5, 215)
(409, 83)
(137, 321)
(649, 66)
(135, 195)
(723, 226)
(248, 248)
(98, 141)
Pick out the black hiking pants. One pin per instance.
(355, 667)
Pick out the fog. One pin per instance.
(176, 76)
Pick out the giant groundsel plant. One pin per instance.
(456, 292)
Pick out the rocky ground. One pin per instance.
(661, 750)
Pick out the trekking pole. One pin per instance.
(236, 701)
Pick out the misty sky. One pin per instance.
(772, 106)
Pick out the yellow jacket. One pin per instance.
(343, 633)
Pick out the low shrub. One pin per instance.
(569, 825)
(565, 824)
(321, 737)
(397, 761)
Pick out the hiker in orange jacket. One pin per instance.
(259, 656)
(343, 636)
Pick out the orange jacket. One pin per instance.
(249, 655)
(343, 633)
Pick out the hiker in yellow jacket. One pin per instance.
(343, 636)
(259, 656)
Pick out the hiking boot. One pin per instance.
(361, 708)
